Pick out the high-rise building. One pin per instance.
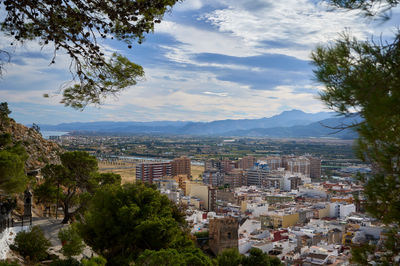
(255, 176)
(181, 166)
(274, 162)
(296, 164)
(146, 172)
(212, 164)
(227, 165)
(234, 178)
(213, 177)
(247, 162)
(315, 167)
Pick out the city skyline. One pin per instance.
(207, 60)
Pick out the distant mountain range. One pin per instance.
(288, 124)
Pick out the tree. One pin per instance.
(171, 257)
(71, 180)
(94, 261)
(12, 174)
(36, 127)
(369, 7)
(230, 257)
(4, 112)
(77, 27)
(120, 223)
(12, 162)
(32, 244)
(363, 77)
(259, 258)
(71, 241)
(102, 179)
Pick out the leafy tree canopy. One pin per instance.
(171, 257)
(94, 261)
(369, 7)
(72, 244)
(12, 174)
(258, 258)
(69, 182)
(12, 164)
(76, 27)
(230, 257)
(101, 179)
(363, 77)
(122, 222)
(4, 112)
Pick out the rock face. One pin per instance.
(40, 151)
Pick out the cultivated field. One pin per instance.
(124, 168)
(127, 169)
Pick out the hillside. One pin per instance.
(320, 129)
(40, 151)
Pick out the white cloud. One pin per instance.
(297, 24)
(188, 5)
(220, 94)
(203, 97)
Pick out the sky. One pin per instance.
(208, 60)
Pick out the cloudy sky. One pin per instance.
(207, 60)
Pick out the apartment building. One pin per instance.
(146, 172)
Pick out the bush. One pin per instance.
(32, 244)
(72, 243)
(95, 261)
(67, 262)
(7, 263)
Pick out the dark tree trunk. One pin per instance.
(66, 215)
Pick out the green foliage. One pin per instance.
(369, 7)
(67, 262)
(71, 179)
(36, 127)
(107, 179)
(4, 112)
(364, 77)
(107, 78)
(259, 258)
(12, 159)
(95, 261)
(5, 140)
(367, 253)
(12, 174)
(7, 263)
(121, 222)
(171, 257)
(201, 234)
(75, 26)
(32, 244)
(230, 257)
(72, 244)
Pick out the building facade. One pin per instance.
(146, 172)
(181, 166)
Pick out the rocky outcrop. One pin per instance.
(40, 151)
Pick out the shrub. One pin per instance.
(32, 244)
(95, 261)
(67, 262)
(72, 243)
